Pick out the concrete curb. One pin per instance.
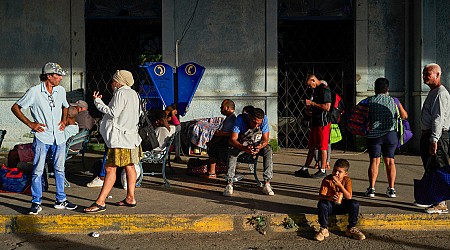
(204, 223)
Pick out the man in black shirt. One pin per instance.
(319, 135)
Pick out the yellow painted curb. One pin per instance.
(204, 223)
(67, 224)
(405, 221)
(367, 221)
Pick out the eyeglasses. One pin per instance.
(51, 101)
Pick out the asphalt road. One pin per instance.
(252, 240)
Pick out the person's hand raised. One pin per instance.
(96, 95)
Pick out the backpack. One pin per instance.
(337, 108)
(358, 119)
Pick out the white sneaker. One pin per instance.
(422, 205)
(228, 190)
(267, 189)
(440, 208)
(96, 182)
(390, 192)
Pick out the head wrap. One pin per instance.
(124, 77)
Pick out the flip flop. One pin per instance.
(96, 208)
(124, 203)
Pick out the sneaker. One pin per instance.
(390, 192)
(370, 192)
(322, 234)
(440, 208)
(355, 233)
(302, 173)
(422, 205)
(267, 189)
(35, 208)
(319, 175)
(65, 205)
(96, 182)
(228, 190)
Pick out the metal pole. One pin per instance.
(175, 96)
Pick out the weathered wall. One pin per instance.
(380, 50)
(229, 39)
(33, 33)
(442, 44)
(387, 43)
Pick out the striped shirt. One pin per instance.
(382, 115)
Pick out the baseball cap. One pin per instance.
(53, 68)
(80, 103)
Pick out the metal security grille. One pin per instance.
(293, 127)
(320, 47)
(120, 34)
(114, 44)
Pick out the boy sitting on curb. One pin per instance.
(335, 197)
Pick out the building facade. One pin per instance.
(256, 52)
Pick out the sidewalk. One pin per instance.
(193, 204)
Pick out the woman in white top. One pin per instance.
(119, 129)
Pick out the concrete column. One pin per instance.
(272, 66)
(77, 46)
(361, 49)
(168, 29)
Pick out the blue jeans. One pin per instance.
(265, 152)
(40, 150)
(326, 208)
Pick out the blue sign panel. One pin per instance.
(161, 75)
(189, 76)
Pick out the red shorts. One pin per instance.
(319, 137)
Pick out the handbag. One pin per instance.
(335, 133)
(434, 186)
(403, 128)
(147, 132)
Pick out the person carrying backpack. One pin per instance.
(382, 136)
(318, 107)
(336, 110)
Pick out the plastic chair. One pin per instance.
(157, 157)
(77, 144)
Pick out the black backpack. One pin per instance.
(337, 108)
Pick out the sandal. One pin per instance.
(94, 208)
(124, 203)
(209, 176)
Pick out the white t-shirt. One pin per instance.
(163, 135)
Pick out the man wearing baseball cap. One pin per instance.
(48, 106)
(84, 119)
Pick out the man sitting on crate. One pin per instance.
(219, 142)
(250, 135)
